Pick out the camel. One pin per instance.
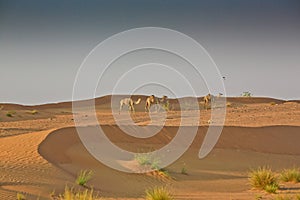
(130, 103)
(208, 99)
(150, 100)
(164, 102)
(155, 100)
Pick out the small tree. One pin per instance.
(246, 94)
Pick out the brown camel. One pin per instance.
(155, 100)
(150, 100)
(130, 103)
(208, 99)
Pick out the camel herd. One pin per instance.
(153, 100)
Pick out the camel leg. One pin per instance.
(146, 108)
(121, 106)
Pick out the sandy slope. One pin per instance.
(238, 150)
(221, 175)
(24, 170)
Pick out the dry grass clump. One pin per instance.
(290, 175)
(20, 196)
(32, 112)
(158, 193)
(71, 194)
(263, 178)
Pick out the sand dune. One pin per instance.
(237, 151)
(41, 152)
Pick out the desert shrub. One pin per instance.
(158, 193)
(290, 175)
(263, 178)
(83, 177)
(272, 103)
(10, 113)
(20, 196)
(71, 194)
(246, 94)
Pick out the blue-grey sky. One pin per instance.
(255, 44)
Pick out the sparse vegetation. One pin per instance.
(158, 193)
(83, 177)
(228, 104)
(258, 197)
(263, 178)
(283, 197)
(146, 159)
(184, 170)
(71, 194)
(32, 112)
(272, 103)
(290, 175)
(20, 196)
(164, 173)
(143, 158)
(10, 113)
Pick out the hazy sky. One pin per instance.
(255, 44)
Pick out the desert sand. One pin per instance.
(41, 152)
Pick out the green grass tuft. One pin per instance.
(158, 193)
(83, 177)
(271, 188)
(290, 175)
(184, 171)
